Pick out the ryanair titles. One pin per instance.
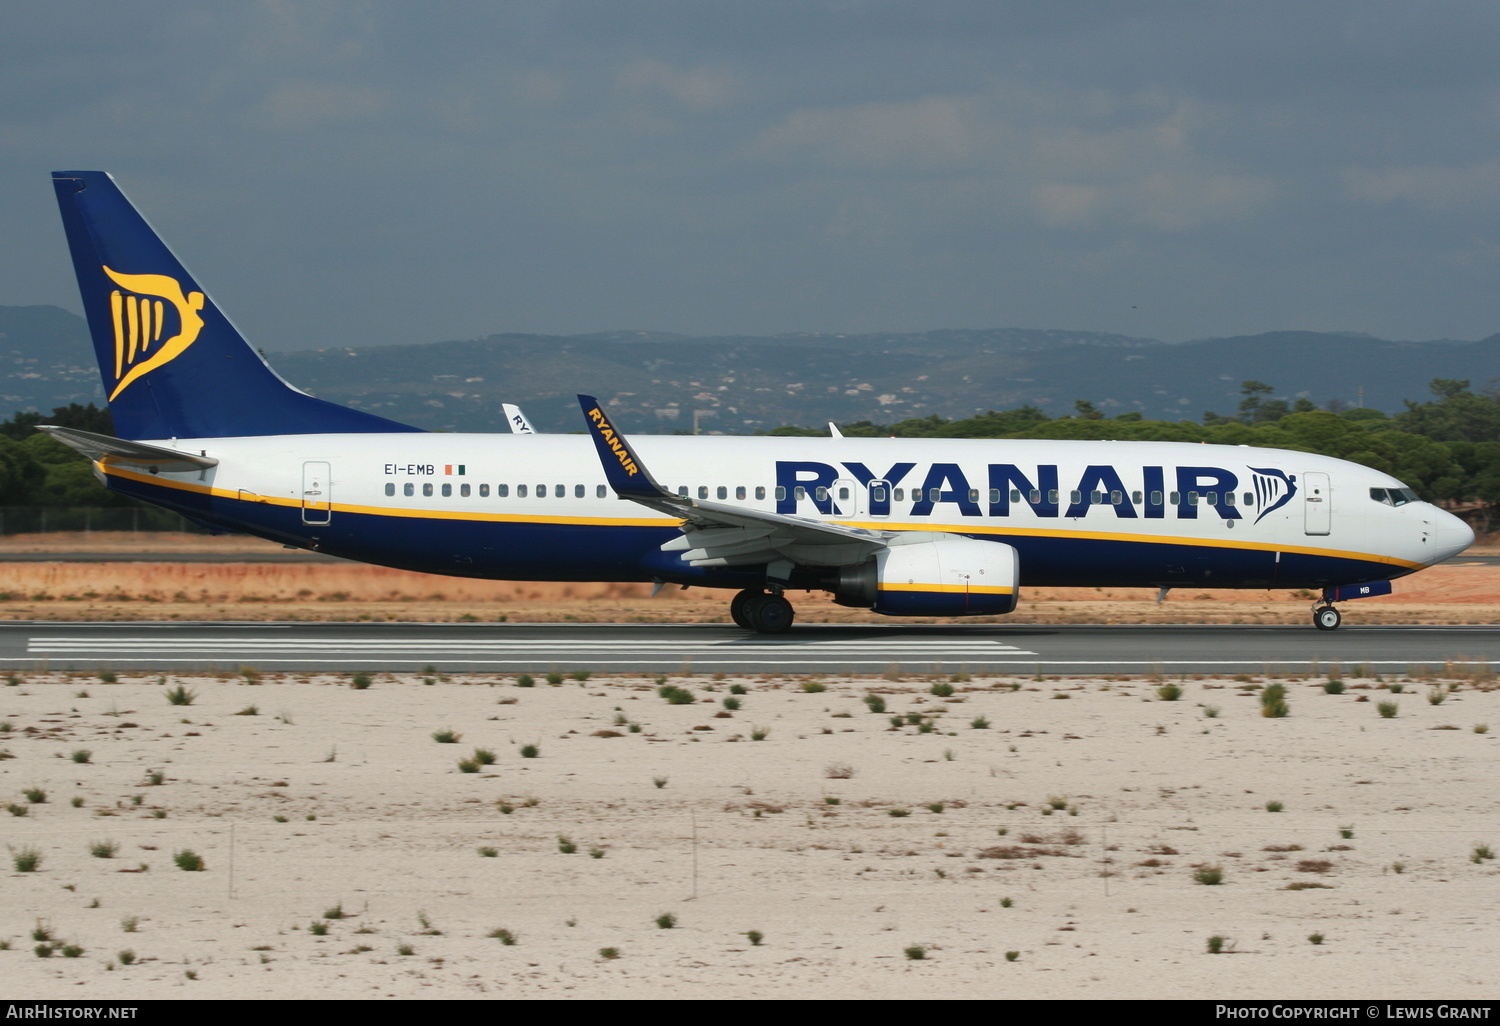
(601, 425)
(1141, 492)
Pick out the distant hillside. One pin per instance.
(745, 384)
(45, 360)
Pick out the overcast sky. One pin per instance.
(347, 173)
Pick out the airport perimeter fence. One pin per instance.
(42, 519)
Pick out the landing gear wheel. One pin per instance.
(769, 614)
(738, 606)
(1326, 618)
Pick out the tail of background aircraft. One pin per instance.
(173, 366)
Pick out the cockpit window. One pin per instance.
(1393, 496)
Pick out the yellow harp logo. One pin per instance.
(140, 318)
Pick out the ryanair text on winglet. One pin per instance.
(627, 462)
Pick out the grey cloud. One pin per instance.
(1154, 168)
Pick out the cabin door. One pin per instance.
(317, 492)
(1317, 503)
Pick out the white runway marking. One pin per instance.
(880, 652)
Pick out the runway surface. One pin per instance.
(714, 648)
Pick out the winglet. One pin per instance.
(519, 425)
(626, 474)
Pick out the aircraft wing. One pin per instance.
(719, 534)
(120, 450)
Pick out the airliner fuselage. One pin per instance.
(538, 507)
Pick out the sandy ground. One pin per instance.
(1452, 593)
(331, 799)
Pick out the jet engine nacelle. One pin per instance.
(934, 575)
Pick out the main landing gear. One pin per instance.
(1326, 618)
(761, 612)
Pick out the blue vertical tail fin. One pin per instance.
(173, 365)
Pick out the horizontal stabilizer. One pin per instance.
(119, 450)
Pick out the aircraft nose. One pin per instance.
(1450, 536)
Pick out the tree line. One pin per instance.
(35, 470)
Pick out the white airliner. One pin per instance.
(905, 527)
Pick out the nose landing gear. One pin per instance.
(761, 612)
(1326, 618)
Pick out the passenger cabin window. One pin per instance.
(760, 491)
(1135, 497)
(799, 493)
(484, 491)
(780, 492)
(390, 488)
(447, 490)
(900, 494)
(722, 492)
(877, 494)
(1115, 498)
(599, 491)
(578, 491)
(682, 490)
(739, 492)
(703, 491)
(821, 495)
(408, 489)
(520, 491)
(1249, 498)
(502, 491)
(1156, 499)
